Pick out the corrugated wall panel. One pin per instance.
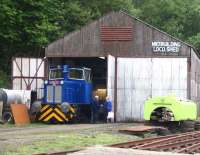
(169, 77)
(133, 86)
(195, 79)
(140, 78)
(120, 90)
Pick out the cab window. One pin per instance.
(55, 74)
(76, 74)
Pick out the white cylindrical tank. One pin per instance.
(15, 96)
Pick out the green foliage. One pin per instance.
(3, 79)
(63, 142)
(27, 26)
(99, 8)
(195, 40)
(180, 18)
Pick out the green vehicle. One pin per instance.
(169, 108)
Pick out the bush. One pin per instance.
(4, 80)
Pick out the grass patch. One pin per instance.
(65, 142)
(11, 125)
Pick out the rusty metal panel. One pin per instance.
(20, 114)
(111, 33)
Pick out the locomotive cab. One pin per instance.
(67, 91)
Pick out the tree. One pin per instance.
(27, 26)
(30, 25)
(180, 18)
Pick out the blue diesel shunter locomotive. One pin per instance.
(67, 94)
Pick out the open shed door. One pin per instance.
(141, 78)
(111, 78)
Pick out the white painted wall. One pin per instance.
(195, 79)
(169, 77)
(111, 77)
(27, 67)
(140, 78)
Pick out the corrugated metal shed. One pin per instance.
(142, 61)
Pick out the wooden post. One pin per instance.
(1, 110)
(115, 91)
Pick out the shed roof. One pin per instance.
(87, 41)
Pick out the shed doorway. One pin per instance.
(99, 74)
(98, 66)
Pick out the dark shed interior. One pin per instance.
(98, 66)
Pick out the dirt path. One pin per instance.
(7, 132)
(27, 135)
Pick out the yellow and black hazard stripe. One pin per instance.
(53, 113)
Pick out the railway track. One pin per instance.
(181, 143)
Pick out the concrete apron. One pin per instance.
(99, 150)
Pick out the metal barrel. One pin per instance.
(3, 96)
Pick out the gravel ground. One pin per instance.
(15, 136)
(17, 131)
